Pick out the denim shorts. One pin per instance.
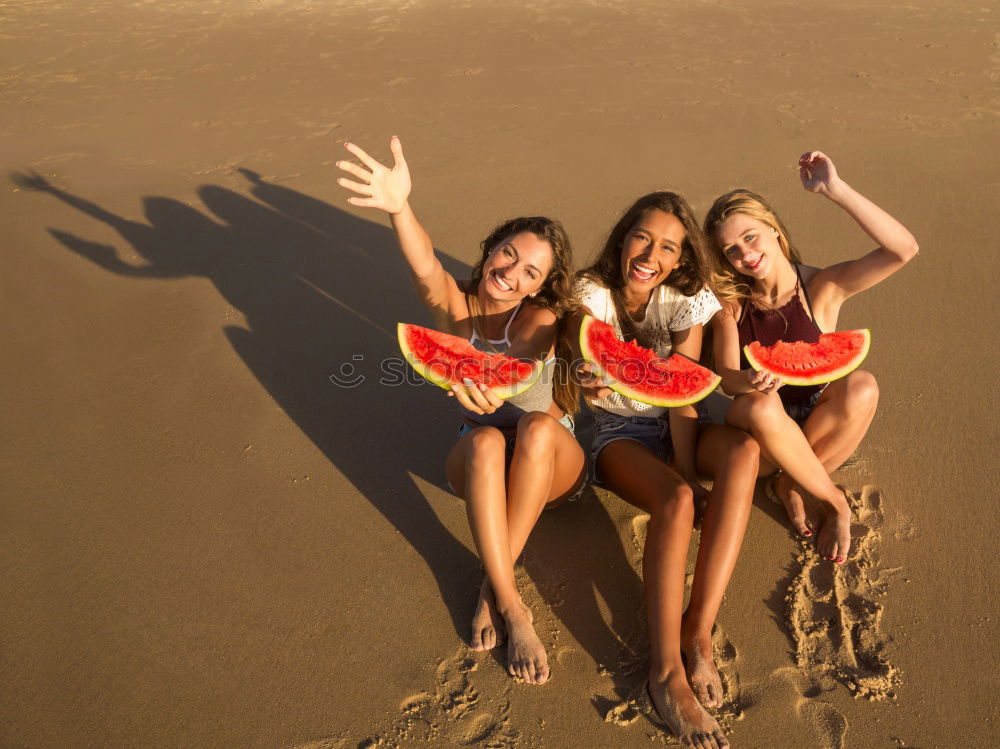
(653, 432)
(510, 433)
(800, 411)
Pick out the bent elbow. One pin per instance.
(729, 390)
(910, 251)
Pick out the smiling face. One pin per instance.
(516, 267)
(651, 249)
(750, 245)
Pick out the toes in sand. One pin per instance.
(834, 541)
(488, 629)
(678, 708)
(784, 491)
(702, 674)
(526, 657)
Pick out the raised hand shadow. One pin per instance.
(320, 289)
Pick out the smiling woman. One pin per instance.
(649, 284)
(518, 259)
(769, 296)
(515, 457)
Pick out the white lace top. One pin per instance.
(668, 311)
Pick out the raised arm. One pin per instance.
(388, 189)
(897, 246)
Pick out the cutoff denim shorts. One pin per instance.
(800, 411)
(653, 432)
(510, 433)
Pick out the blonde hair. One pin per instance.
(727, 284)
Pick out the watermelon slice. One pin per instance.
(800, 363)
(638, 373)
(446, 360)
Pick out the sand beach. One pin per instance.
(206, 541)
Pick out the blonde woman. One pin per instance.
(769, 295)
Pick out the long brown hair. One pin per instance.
(556, 295)
(728, 284)
(689, 276)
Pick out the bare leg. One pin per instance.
(640, 478)
(547, 465)
(731, 457)
(834, 429)
(841, 418)
(783, 444)
(488, 628)
(548, 462)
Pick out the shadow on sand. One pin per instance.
(321, 291)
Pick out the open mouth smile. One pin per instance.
(499, 283)
(641, 273)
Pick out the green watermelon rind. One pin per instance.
(841, 371)
(593, 358)
(428, 374)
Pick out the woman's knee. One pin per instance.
(755, 408)
(486, 443)
(741, 450)
(862, 391)
(854, 396)
(677, 502)
(536, 432)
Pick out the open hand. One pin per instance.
(817, 172)
(30, 181)
(380, 186)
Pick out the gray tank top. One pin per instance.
(536, 398)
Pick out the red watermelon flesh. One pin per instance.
(638, 373)
(833, 356)
(447, 360)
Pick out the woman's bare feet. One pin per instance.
(526, 657)
(679, 709)
(702, 675)
(488, 628)
(800, 512)
(834, 541)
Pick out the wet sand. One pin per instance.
(205, 542)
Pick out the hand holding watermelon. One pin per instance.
(763, 381)
(591, 384)
(381, 187)
(479, 381)
(476, 398)
(833, 356)
(638, 373)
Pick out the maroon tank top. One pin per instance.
(788, 323)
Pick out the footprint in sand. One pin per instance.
(834, 613)
(452, 713)
(637, 703)
(827, 722)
